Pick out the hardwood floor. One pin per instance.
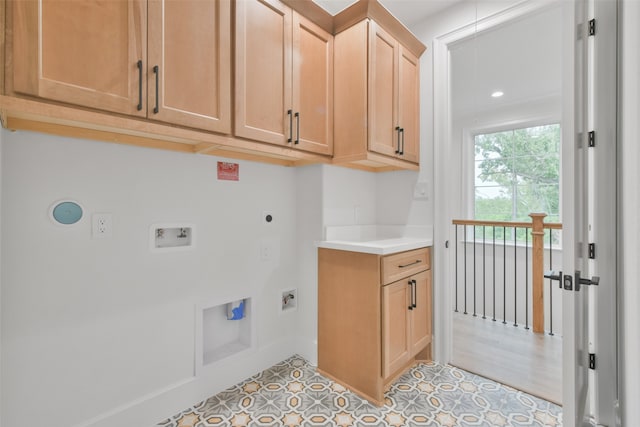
(510, 355)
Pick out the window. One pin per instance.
(517, 172)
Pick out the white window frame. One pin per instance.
(468, 166)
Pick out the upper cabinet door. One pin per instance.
(189, 67)
(383, 84)
(312, 86)
(82, 52)
(409, 105)
(263, 109)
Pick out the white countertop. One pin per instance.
(376, 239)
(378, 247)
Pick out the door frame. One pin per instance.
(443, 259)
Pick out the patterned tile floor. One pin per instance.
(291, 393)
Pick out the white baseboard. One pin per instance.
(149, 410)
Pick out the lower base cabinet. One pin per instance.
(374, 317)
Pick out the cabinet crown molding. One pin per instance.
(362, 9)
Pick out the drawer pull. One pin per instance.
(418, 261)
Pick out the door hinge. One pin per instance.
(592, 27)
(592, 251)
(592, 361)
(592, 139)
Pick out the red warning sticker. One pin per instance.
(228, 171)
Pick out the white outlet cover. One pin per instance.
(421, 191)
(101, 225)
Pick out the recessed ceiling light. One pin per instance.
(497, 94)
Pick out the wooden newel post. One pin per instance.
(537, 232)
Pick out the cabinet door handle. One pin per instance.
(156, 70)
(410, 283)
(415, 294)
(418, 261)
(290, 113)
(140, 84)
(402, 146)
(297, 141)
(398, 130)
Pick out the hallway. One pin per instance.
(510, 355)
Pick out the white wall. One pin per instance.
(101, 332)
(309, 190)
(349, 196)
(629, 199)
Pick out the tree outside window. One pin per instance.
(517, 172)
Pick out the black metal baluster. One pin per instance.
(526, 278)
(484, 274)
(456, 226)
(465, 269)
(474, 271)
(504, 275)
(515, 277)
(494, 273)
(551, 282)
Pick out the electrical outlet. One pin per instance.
(266, 251)
(101, 225)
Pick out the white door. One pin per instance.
(589, 213)
(574, 213)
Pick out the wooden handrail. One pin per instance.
(508, 224)
(537, 226)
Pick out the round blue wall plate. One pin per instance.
(66, 212)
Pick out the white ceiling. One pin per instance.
(522, 59)
(407, 11)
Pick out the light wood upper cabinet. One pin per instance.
(189, 71)
(376, 100)
(409, 104)
(81, 52)
(96, 54)
(312, 86)
(383, 91)
(284, 77)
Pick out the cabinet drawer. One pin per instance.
(397, 266)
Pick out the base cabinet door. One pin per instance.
(89, 53)
(396, 334)
(420, 315)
